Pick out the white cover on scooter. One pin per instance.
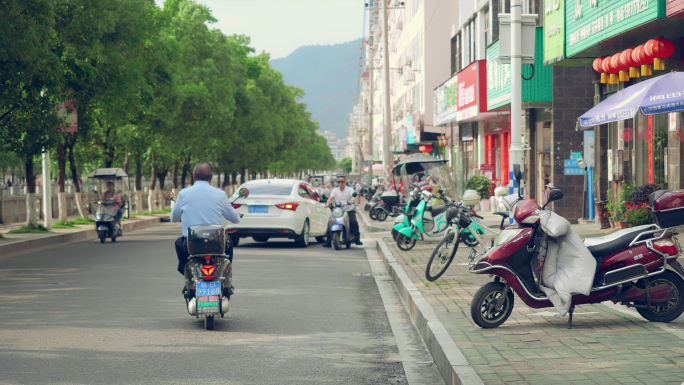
(569, 267)
(389, 193)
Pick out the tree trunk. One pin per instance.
(242, 176)
(31, 215)
(151, 201)
(160, 191)
(174, 176)
(78, 197)
(61, 179)
(186, 165)
(235, 174)
(226, 179)
(127, 162)
(138, 173)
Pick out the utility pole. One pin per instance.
(388, 157)
(371, 79)
(516, 150)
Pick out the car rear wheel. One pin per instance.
(303, 239)
(320, 239)
(235, 241)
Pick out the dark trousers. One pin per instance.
(353, 227)
(183, 255)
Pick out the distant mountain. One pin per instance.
(329, 75)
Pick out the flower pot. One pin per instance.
(620, 224)
(484, 205)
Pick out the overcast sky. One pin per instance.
(281, 26)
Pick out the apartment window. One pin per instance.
(473, 38)
(453, 55)
(504, 6)
(494, 21)
(456, 53)
(487, 27)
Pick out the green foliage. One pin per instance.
(82, 221)
(481, 184)
(158, 85)
(346, 164)
(637, 214)
(29, 229)
(63, 225)
(640, 194)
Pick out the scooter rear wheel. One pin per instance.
(405, 243)
(209, 322)
(667, 311)
(441, 258)
(395, 233)
(372, 215)
(482, 308)
(337, 244)
(103, 236)
(381, 215)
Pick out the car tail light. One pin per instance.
(231, 230)
(288, 206)
(666, 246)
(236, 206)
(207, 257)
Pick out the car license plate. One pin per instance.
(258, 209)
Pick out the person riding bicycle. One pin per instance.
(343, 194)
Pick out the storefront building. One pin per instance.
(642, 149)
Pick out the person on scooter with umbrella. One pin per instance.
(344, 194)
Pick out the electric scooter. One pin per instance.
(636, 267)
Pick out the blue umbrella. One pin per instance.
(653, 96)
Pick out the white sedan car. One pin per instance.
(279, 208)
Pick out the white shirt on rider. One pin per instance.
(342, 197)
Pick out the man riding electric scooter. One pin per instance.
(344, 194)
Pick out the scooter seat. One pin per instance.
(619, 240)
(436, 210)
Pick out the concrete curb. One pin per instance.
(370, 228)
(451, 362)
(31, 245)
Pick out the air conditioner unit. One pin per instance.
(400, 25)
(408, 63)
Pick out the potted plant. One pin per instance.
(636, 214)
(481, 184)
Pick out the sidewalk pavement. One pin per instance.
(16, 244)
(607, 344)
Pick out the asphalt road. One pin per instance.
(89, 313)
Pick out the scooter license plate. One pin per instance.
(208, 297)
(258, 209)
(208, 288)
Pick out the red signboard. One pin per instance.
(472, 91)
(674, 8)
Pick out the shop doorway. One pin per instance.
(544, 162)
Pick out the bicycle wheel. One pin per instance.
(441, 257)
(405, 243)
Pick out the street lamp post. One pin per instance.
(516, 150)
(388, 158)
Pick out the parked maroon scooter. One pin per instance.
(636, 267)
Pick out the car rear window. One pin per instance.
(265, 188)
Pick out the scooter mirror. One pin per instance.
(244, 192)
(355, 194)
(554, 195)
(516, 173)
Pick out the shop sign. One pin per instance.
(498, 79)
(417, 127)
(554, 31)
(589, 22)
(487, 170)
(570, 163)
(574, 171)
(466, 92)
(674, 8)
(575, 155)
(445, 97)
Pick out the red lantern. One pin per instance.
(639, 55)
(426, 148)
(598, 67)
(626, 59)
(616, 63)
(627, 134)
(659, 48)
